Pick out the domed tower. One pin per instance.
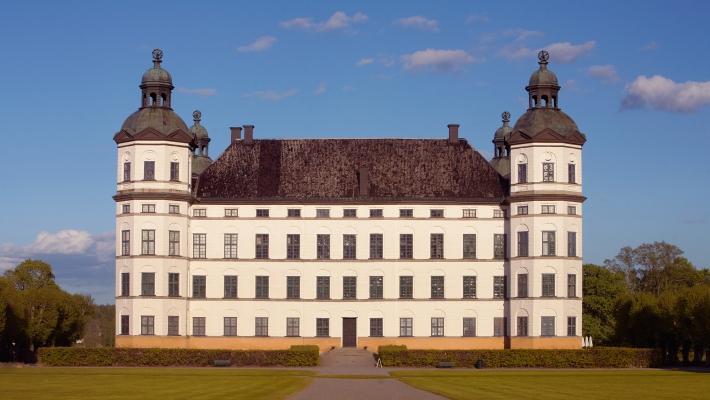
(152, 200)
(201, 159)
(501, 150)
(546, 220)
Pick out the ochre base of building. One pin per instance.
(562, 342)
(224, 343)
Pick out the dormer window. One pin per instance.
(149, 170)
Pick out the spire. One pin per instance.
(501, 136)
(543, 86)
(199, 135)
(156, 84)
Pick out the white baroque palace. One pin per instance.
(348, 242)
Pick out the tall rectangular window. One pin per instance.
(437, 326)
(523, 245)
(262, 246)
(198, 326)
(322, 213)
(349, 247)
(127, 171)
(293, 287)
(262, 287)
(322, 327)
(349, 287)
(406, 213)
(125, 284)
(548, 243)
(323, 287)
(173, 284)
(548, 285)
(405, 327)
(230, 245)
(126, 208)
(406, 287)
(323, 246)
(571, 285)
(522, 173)
(199, 286)
(148, 242)
(293, 213)
(261, 326)
(571, 326)
(437, 287)
(469, 246)
(173, 325)
(499, 245)
(548, 172)
(406, 245)
(376, 327)
(230, 326)
(571, 173)
(147, 325)
(230, 286)
(125, 328)
(126, 243)
(375, 246)
(293, 246)
(350, 213)
(376, 213)
(499, 326)
(147, 284)
(436, 245)
(262, 212)
(436, 213)
(547, 326)
(469, 213)
(293, 326)
(174, 171)
(572, 244)
(148, 208)
(469, 327)
(173, 243)
(499, 287)
(149, 170)
(376, 287)
(523, 285)
(522, 326)
(469, 287)
(199, 245)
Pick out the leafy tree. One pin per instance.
(3, 306)
(602, 289)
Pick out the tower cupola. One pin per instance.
(543, 86)
(201, 159)
(156, 84)
(501, 136)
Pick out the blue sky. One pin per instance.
(635, 79)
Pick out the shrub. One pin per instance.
(399, 356)
(297, 356)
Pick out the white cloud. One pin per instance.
(272, 95)
(660, 93)
(650, 46)
(67, 241)
(522, 34)
(436, 60)
(260, 44)
(606, 73)
(566, 52)
(322, 88)
(204, 92)
(516, 51)
(475, 18)
(339, 20)
(418, 22)
(365, 61)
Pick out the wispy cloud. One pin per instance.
(516, 51)
(441, 60)
(520, 35)
(260, 44)
(418, 22)
(660, 93)
(477, 18)
(365, 61)
(606, 73)
(272, 95)
(650, 46)
(322, 88)
(338, 21)
(204, 92)
(566, 52)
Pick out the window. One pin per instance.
(293, 326)
(469, 246)
(522, 326)
(126, 208)
(293, 246)
(127, 171)
(406, 243)
(437, 287)
(499, 326)
(322, 213)
(469, 287)
(469, 327)
(406, 213)
(499, 246)
(571, 173)
(230, 245)
(548, 285)
(198, 326)
(571, 210)
(174, 171)
(125, 284)
(548, 209)
(149, 170)
(199, 286)
(548, 172)
(375, 246)
(262, 246)
(436, 213)
(523, 244)
(173, 325)
(349, 247)
(148, 284)
(437, 326)
(405, 327)
(173, 243)
(406, 287)
(173, 284)
(571, 285)
(498, 213)
(548, 243)
(522, 173)
(469, 213)
(376, 287)
(148, 242)
(376, 213)
(125, 243)
(522, 285)
(522, 210)
(322, 327)
(350, 213)
(230, 286)
(292, 213)
(262, 212)
(499, 287)
(147, 325)
(323, 247)
(262, 287)
(571, 326)
(199, 212)
(323, 287)
(376, 327)
(230, 326)
(199, 245)
(349, 287)
(174, 209)
(261, 326)
(572, 244)
(231, 212)
(125, 324)
(436, 245)
(547, 326)
(293, 287)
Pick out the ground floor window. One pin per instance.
(293, 326)
(469, 327)
(547, 325)
(173, 325)
(522, 326)
(322, 327)
(124, 325)
(437, 326)
(147, 325)
(230, 326)
(499, 326)
(261, 326)
(376, 327)
(405, 327)
(198, 326)
(571, 326)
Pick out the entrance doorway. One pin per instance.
(349, 332)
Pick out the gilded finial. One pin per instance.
(197, 116)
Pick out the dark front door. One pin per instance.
(349, 332)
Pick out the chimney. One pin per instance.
(236, 133)
(453, 133)
(248, 134)
(363, 182)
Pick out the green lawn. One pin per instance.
(550, 385)
(148, 383)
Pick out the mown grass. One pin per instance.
(149, 383)
(552, 385)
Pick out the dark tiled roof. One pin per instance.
(326, 169)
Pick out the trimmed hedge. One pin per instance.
(598, 357)
(296, 356)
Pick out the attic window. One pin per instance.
(262, 212)
(376, 213)
(291, 213)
